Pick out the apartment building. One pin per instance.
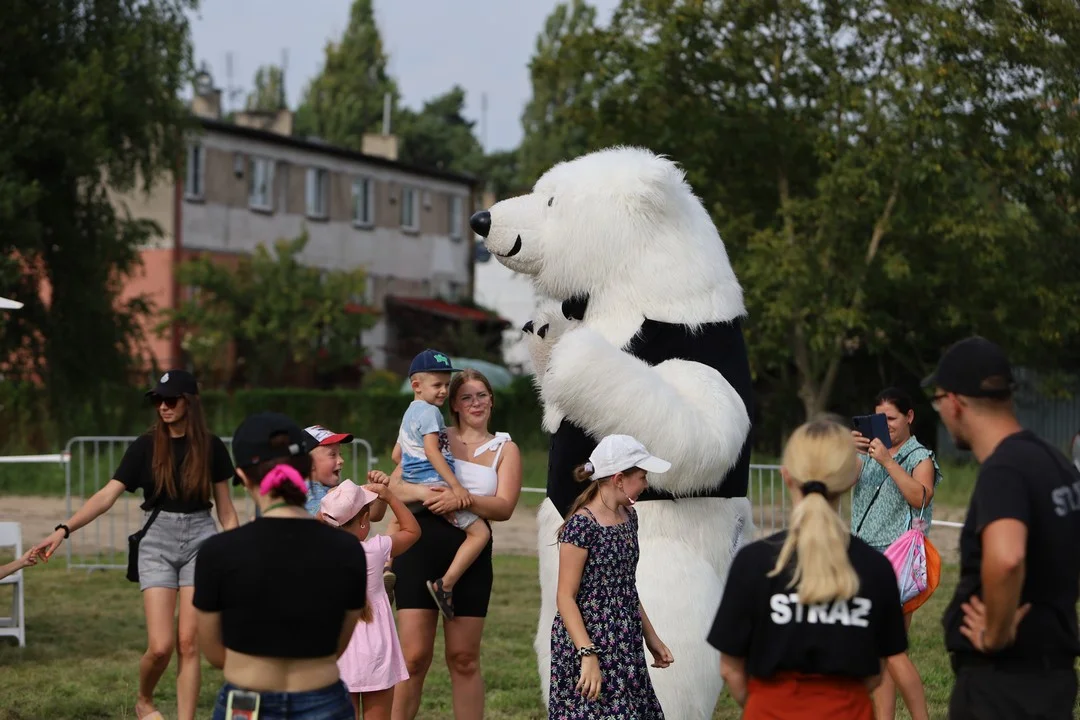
(251, 181)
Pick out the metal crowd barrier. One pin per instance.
(90, 464)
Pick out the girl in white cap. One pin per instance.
(598, 666)
(373, 662)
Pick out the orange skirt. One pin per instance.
(794, 696)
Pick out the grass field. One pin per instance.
(86, 633)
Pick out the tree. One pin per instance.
(269, 92)
(89, 102)
(887, 176)
(275, 313)
(345, 100)
(439, 136)
(562, 75)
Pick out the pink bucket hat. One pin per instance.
(343, 502)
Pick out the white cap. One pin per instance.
(617, 453)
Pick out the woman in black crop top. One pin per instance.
(183, 471)
(256, 587)
(810, 615)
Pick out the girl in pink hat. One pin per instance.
(373, 663)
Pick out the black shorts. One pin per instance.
(985, 692)
(429, 558)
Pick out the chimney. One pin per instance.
(276, 121)
(384, 144)
(207, 99)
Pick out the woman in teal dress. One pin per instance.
(895, 485)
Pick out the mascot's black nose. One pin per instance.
(481, 223)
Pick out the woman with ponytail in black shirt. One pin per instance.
(810, 615)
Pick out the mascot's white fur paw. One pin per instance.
(542, 333)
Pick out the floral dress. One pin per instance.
(608, 600)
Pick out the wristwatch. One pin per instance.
(65, 528)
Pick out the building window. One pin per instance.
(363, 202)
(456, 208)
(410, 216)
(261, 183)
(318, 189)
(196, 171)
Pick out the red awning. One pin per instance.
(447, 310)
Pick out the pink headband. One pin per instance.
(280, 474)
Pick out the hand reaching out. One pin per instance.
(44, 549)
(381, 490)
(377, 477)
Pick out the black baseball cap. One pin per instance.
(174, 383)
(431, 361)
(251, 441)
(973, 367)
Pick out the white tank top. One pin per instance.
(482, 480)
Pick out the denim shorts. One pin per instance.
(167, 551)
(329, 703)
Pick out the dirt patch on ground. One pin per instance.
(516, 536)
(39, 515)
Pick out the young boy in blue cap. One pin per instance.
(425, 459)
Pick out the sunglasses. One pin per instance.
(170, 402)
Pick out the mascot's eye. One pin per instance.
(550, 201)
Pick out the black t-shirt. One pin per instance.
(136, 471)
(1027, 480)
(760, 618)
(282, 586)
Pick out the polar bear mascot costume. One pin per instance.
(647, 341)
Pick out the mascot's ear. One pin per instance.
(646, 185)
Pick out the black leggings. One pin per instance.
(430, 557)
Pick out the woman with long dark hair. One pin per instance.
(278, 599)
(182, 470)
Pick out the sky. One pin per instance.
(482, 45)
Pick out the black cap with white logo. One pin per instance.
(973, 367)
(174, 383)
(268, 435)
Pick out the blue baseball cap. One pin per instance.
(431, 361)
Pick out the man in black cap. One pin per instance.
(1011, 628)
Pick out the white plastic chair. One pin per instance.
(15, 625)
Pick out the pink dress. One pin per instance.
(374, 661)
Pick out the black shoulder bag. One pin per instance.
(133, 546)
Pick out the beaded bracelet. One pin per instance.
(590, 650)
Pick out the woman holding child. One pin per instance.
(489, 466)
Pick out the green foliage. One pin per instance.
(439, 136)
(345, 100)
(562, 72)
(372, 413)
(89, 100)
(269, 92)
(887, 177)
(277, 313)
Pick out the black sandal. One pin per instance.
(443, 598)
